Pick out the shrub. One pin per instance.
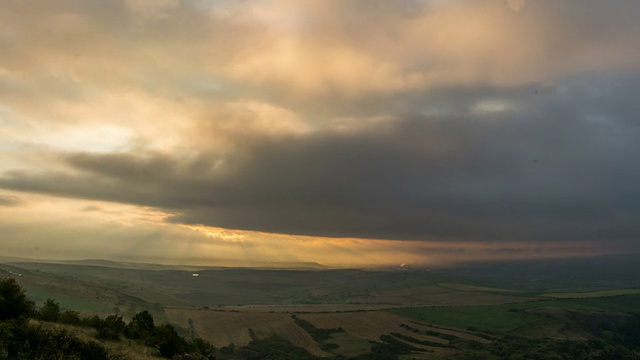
(141, 326)
(18, 340)
(50, 311)
(13, 300)
(199, 346)
(111, 328)
(168, 342)
(70, 317)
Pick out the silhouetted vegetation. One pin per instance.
(21, 340)
(50, 311)
(70, 317)
(141, 326)
(110, 328)
(13, 301)
(199, 346)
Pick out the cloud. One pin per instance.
(90, 208)
(419, 120)
(62, 228)
(400, 46)
(152, 9)
(305, 48)
(516, 5)
(544, 169)
(9, 200)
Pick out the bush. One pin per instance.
(92, 321)
(50, 311)
(141, 326)
(13, 301)
(199, 346)
(18, 340)
(168, 342)
(70, 317)
(111, 328)
(227, 350)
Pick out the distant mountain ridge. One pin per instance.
(156, 266)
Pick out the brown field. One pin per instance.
(365, 325)
(350, 345)
(225, 327)
(371, 325)
(222, 328)
(448, 330)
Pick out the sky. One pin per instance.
(350, 133)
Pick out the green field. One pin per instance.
(39, 294)
(495, 318)
(464, 287)
(349, 345)
(592, 294)
(508, 317)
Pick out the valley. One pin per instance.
(341, 313)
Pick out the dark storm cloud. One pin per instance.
(549, 167)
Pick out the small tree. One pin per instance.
(168, 342)
(111, 328)
(200, 346)
(50, 311)
(70, 317)
(93, 321)
(13, 300)
(141, 326)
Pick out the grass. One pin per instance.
(464, 287)
(592, 294)
(122, 349)
(622, 303)
(508, 317)
(349, 345)
(493, 318)
(66, 302)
